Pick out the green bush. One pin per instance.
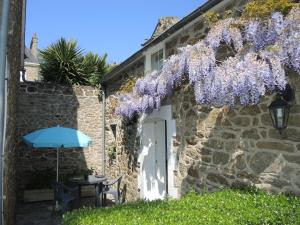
(227, 206)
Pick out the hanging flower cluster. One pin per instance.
(262, 50)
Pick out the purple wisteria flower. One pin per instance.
(244, 78)
(200, 61)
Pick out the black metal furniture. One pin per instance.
(93, 180)
(108, 189)
(65, 196)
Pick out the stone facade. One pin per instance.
(14, 62)
(126, 139)
(214, 146)
(42, 105)
(32, 72)
(221, 147)
(32, 60)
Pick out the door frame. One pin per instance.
(164, 114)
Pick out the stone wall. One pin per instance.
(214, 146)
(32, 72)
(14, 62)
(42, 105)
(126, 139)
(221, 147)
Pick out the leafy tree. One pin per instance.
(64, 62)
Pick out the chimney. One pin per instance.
(33, 45)
(163, 24)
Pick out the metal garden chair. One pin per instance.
(108, 188)
(66, 196)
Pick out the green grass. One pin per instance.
(228, 206)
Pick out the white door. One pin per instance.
(153, 165)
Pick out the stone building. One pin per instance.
(14, 58)
(32, 60)
(187, 146)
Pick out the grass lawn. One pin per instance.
(228, 206)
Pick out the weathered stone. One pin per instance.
(265, 119)
(229, 175)
(176, 143)
(240, 163)
(211, 130)
(191, 140)
(206, 159)
(294, 120)
(216, 178)
(214, 144)
(248, 176)
(41, 110)
(298, 147)
(251, 134)
(184, 39)
(287, 134)
(204, 109)
(263, 133)
(279, 183)
(227, 135)
(239, 184)
(241, 121)
(31, 89)
(204, 151)
(295, 109)
(198, 26)
(264, 107)
(213, 118)
(250, 110)
(286, 147)
(191, 117)
(220, 158)
(255, 121)
(261, 160)
(200, 134)
(297, 95)
(292, 158)
(185, 105)
(234, 145)
(192, 171)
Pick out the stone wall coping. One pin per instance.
(56, 89)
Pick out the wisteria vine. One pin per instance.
(262, 51)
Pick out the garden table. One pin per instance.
(97, 181)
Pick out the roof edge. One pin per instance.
(137, 55)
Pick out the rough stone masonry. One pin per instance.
(42, 105)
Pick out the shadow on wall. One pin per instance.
(238, 147)
(42, 105)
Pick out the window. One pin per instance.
(113, 128)
(157, 60)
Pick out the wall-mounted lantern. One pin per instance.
(280, 109)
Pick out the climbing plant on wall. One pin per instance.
(263, 47)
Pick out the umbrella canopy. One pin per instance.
(57, 137)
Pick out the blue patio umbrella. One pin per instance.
(57, 137)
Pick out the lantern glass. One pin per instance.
(279, 112)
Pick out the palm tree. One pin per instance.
(63, 62)
(96, 67)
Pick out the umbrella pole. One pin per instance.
(57, 164)
(56, 202)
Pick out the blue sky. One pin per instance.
(115, 27)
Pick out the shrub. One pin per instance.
(227, 206)
(64, 62)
